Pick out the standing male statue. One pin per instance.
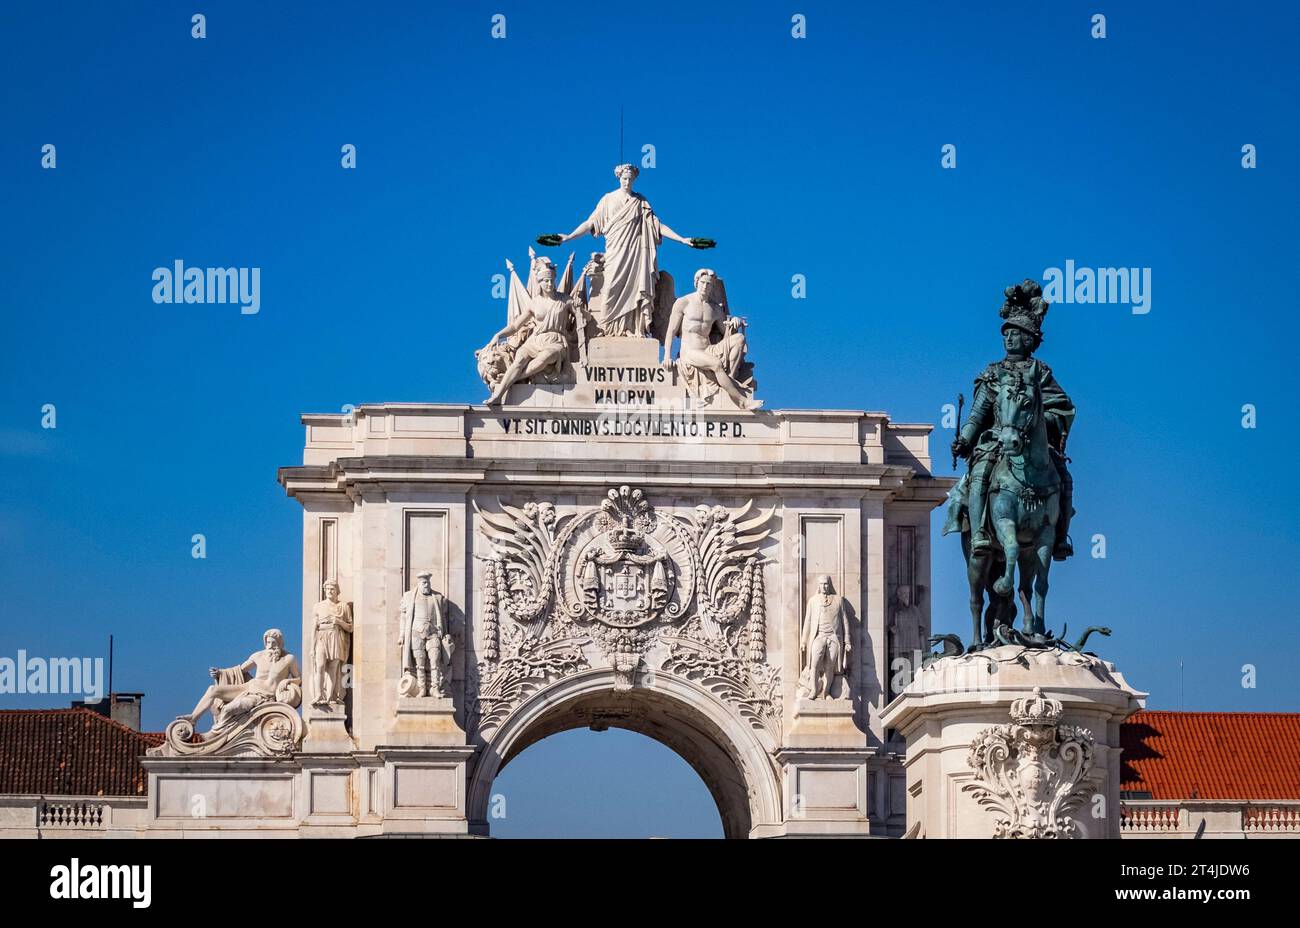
(907, 637)
(713, 343)
(424, 636)
(632, 234)
(825, 642)
(333, 637)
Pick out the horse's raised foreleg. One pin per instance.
(1004, 522)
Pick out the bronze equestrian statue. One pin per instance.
(1013, 507)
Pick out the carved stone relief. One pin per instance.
(623, 586)
(1031, 773)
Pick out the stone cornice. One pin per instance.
(396, 471)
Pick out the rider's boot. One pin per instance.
(980, 543)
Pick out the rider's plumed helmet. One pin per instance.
(1024, 309)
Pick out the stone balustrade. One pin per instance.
(1274, 818)
(71, 815)
(1147, 818)
(35, 816)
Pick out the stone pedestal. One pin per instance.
(331, 794)
(824, 723)
(426, 790)
(825, 771)
(1055, 754)
(425, 769)
(826, 792)
(327, 730)
(425, 721)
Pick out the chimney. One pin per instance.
(123, 708)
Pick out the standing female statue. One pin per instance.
(632, 234)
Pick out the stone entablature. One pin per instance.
(536, 432)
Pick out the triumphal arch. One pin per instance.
(620, 535)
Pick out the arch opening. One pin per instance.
(721, 749)
(615, 784)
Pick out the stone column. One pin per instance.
(1045, 721)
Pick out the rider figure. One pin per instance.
(977, 441)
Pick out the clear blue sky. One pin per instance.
(818, 157)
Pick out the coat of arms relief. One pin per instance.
(1032, 774)
(624, 586)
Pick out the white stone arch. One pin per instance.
(728, 754)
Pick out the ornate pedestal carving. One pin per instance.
(1012, 743)
(1032, 774)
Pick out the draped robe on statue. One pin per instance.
(632, 236)
(257, 689)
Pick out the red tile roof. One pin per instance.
(71, 752)
(1212, 755)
